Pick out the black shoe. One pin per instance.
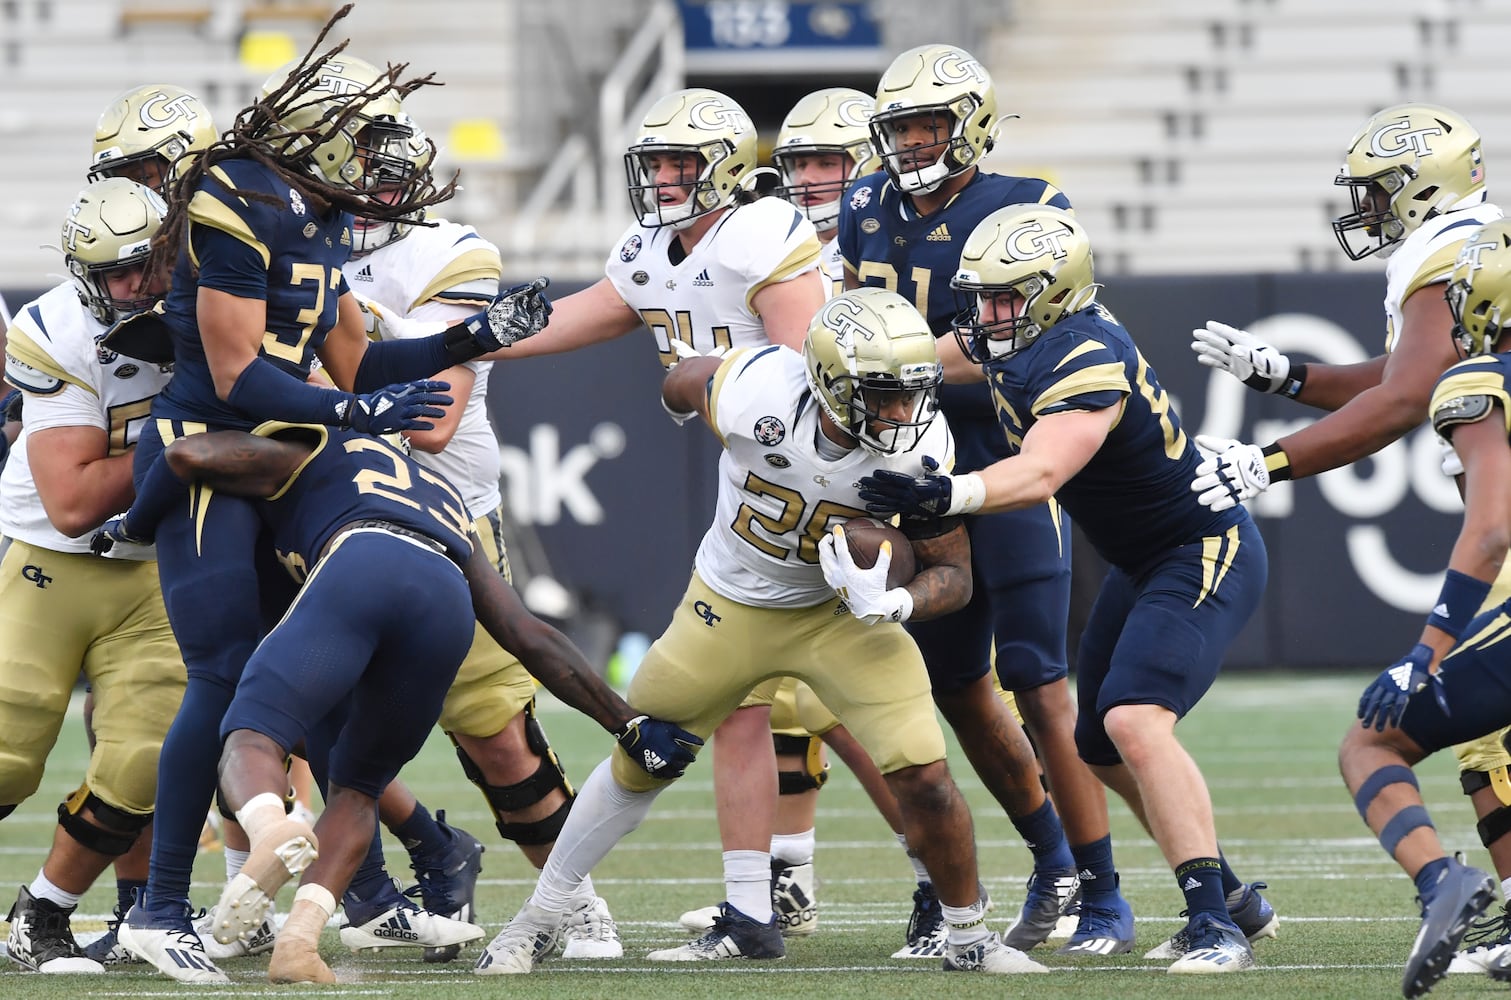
(41, 939)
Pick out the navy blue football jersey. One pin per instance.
(283, 252)
(885, 242)
(1133, 499)
(354, 477)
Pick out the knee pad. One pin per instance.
(814, 773)
(511, 798)
(112, 831)
(1498, 823)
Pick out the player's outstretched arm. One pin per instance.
(684, 394)
(591, 316)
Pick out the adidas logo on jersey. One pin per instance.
(703, 280)
(366, 274)
(939, 234)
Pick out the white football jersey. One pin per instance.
(833, 263)
(777, 495)
(441, 272)
(53, 355)
(705, 300)
(1425, 257)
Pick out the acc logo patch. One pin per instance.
(631, 249)
(860, 198)
(640, 277)
(870, 226)
(778, 461)
(770, 431)
(126, 371)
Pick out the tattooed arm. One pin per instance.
(943, 583)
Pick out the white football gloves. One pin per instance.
(1231, 473)
(1244, 356)
(864, 591)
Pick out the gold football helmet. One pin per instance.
(832, 122)
(949, 84)
(867, 350)
(1037, 253)
(701, 123)
(1407, 164)
(108, 230)
(145, 130)
(355, 148)
(1479, 292)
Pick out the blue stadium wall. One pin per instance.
(620, 496)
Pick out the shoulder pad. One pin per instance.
(33, 380)
(143, 336)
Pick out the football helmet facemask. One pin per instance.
(370, 234)
(357, 148)
(700, 124)
(870, 357)
(1038, 253)
(109, 229)
(832, 122)
(948, 84)
(1421, 160)
(1479, 292)
(145, 130)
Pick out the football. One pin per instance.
(864, 536)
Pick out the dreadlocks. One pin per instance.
(260, 133)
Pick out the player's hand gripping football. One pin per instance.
(662, 750)
(864, 591)
(1385, 699)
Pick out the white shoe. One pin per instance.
(281, 854)
(794, 898)
(407, 926)
(525, 940)
(1486, 940)
(171, 946)
(989, 955)
(589, 932)
(260, 942)
(699, 921)
(1216, 946)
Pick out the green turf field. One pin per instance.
(1266, 743)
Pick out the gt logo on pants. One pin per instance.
(34, 574)
(705, 611)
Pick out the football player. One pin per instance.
(61, 608)
(425, 276)
(342, 662)
(936, 117)
(708, 266)
(1085, 420)
(1416, 175)
(796, 430)
(259, 225)
(1458, 656)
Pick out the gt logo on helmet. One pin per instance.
(335, 83)
(840, 316)
(854, 112)
(717, 116)
(73, 232)
(1410, 138)
(1030, 241)
(1469, 254)
(957, 67)
(160, 110)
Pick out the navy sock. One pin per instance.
(1427, 879)
(1042, 832)
(185, 788)
(125, 892)
(421, 835)
(1200, 879)
(1230, 882)
(1094, 865)
(371, 888)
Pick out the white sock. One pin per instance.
(747, 883)
(261, 811)
(920, 873)
(235, 862)
(793, 848)
(42, 888)
(967, 924)
(602, 815)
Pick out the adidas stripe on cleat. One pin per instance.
(989, 954)
(168, 943)
(733, 935)
(794, 898)
(405, 925)
(525, 940)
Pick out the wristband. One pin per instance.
(1291, 387)
(967, 494)
(1277, 463)
(1458, 602)
(905, 604)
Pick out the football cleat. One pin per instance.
(1462, 894)
(733, 935)
(41, 938)
(1246, 907)
(794, 899)
(1486, 940)
(259, 942)
(390, 920)
(1050, 895)
(926, 930)
(446, 884)
(989, 954)
(282, 853)
(167, 941)
(1216, 945)
(588, 931)
(1101, 930)
(525, 940)
(107, 950)
(699, 921)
